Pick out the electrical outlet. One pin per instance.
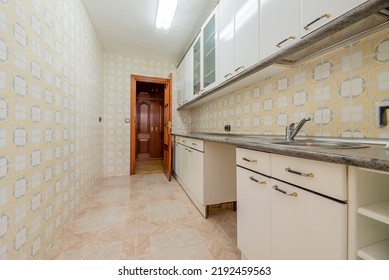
(227, 127)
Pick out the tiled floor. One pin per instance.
(145, 217)
(148, 166)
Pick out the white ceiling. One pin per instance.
(128, 27)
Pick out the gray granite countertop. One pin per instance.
(373, 157)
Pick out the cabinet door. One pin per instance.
(226, 40)
(305, 225)
(180, 85)
(253, 214)
(185, 159)
(316, 13)
(196, 184)
(188, 78)
(284, 19)
(177, 160)
(183, 74)
(246, 34)
(197, 66)
(209, 37)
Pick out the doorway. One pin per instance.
(150, 126)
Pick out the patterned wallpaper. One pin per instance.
(118, 69)
(51, 143)
(338, 90)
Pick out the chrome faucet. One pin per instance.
(292, 130)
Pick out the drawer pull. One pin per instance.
(316, 20)
(194, 144)
(256, 181)
(284, 192)
(249, 160)
(283, 41)
(239, 68)
(298, 173)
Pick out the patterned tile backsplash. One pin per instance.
(338, 90)
(51, 143)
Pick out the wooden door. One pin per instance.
(143, 133)
(156, 125)
(167, 138)
(163, 130)
(149, 128)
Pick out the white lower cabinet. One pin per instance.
(281, 220)
(196, 179)
(253, 219)
(177, 159)
(206, 171)
(306, 225)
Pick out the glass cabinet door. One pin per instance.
(209, 56)
(196, 66)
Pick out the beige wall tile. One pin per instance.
(338, 90)
(51, 103)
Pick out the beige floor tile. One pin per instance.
(145, 217)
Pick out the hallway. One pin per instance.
(144, 217)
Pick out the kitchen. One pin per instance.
(57, 80)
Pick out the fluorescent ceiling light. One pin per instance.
(165, 14)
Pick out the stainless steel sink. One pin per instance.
(254, 138)
(322, 144)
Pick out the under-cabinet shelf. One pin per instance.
(377, 211)
(377, 251)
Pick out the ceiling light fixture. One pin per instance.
(165, 14)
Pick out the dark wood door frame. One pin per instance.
(134, 80)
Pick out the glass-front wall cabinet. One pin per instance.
(197, 66)
(209, 48)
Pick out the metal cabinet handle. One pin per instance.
(249, 160)
(283, 41)
(299, 173)
(284, 192)
(228, 75)
(239, 68)
(194, 144)
(256, 181)
(316, 20)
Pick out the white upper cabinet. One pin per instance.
(238, 37)
(188, 78)
(184, 80)
(316, 13)
(196, 55)
(246, 34)
(209, 48)
(180, 84)
(226, 39)
(204, 52)
(279, 25)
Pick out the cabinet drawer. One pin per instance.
(180, 139)
(326, 178)
(253, 160)
(190, 142)
(195, 144)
